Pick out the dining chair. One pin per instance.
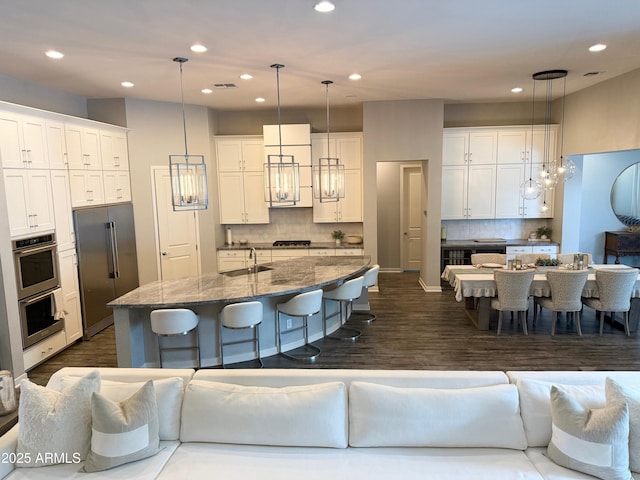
(480, 258)
(568, 258)
(615, 287)
(566, 292)
(512, 294)
(526, 258)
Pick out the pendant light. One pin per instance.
(281, 172)
(328, 174)
(566, 167)
(188, 172)
(531, 189)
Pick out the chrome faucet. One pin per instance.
(252, 254)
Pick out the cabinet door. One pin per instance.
(454, 148)
(91, 148)
(229, 155)
(11, 141)
(482, 147)
(106, 150)
(116, 186)
(35, 142)
(56, 145)
(326, 212)
(69, 283)
(86, 188)
(533, 208)
(61, 189)
(231, 197)
(509, 203)
(454, 192)
(17, 192)
(481, 195)
(512, 146)
(256, 209)
(253, 155)
(536, 144)
(121, 151)
(73, 140)
(41, 200)
(350, 207)
(349, 151)
(113, 150)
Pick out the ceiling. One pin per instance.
(455, 50)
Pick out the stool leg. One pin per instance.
(256, 334)
(220, 327)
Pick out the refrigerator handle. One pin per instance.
(114, 249)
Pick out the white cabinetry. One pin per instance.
(62, 209)
(468, 192)
(241, 180)
(87, 188)
(29, 201)
(23, 141)
(514, 250)
(68, 262)
(42, 350)
(113, 150)
(525, 144)
(83, 147)
(347, 147)
(469, 147)
(235, 259)
(117, 186)
(56, 145)
(288, 253)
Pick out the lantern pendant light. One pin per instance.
(188, 172)
(281, 172)
(328, 173)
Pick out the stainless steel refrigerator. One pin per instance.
(107, 264)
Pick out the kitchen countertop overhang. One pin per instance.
(506, 243)
(269, 246)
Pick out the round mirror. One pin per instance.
(625, 195)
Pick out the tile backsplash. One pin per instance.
(292, 224)
(509, 229)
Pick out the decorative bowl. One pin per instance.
(354, 239)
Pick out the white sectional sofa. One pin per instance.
(335, 424)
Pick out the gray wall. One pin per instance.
(389, 179)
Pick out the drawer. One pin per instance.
(520, 249)
(545, 249)
(346, 252)
(42, 350)
(289, 252)
(232, 254)
(322, 252)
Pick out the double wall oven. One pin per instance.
(37, 280)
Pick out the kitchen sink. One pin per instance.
(246, 271)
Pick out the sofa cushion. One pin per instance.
(168, 397)
(592, 441)
(383, 416)
(55, 427)
(617, 393)
(310, 415)
(535, 406)
(123, 432)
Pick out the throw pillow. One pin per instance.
(123, 432)
(593, 441)
(617, 393)
(55, 427)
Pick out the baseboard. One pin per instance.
(390, 270)
(429, 289)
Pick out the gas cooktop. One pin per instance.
(292, 243)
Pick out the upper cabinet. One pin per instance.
(56, 145)
(83, 147)
(23, 141)
(113, 150)
(469, 147)
(29, 201)
(525, 144)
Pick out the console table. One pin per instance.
(621, 244)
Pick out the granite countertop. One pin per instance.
(269, 246)
(285, 277)
(506, 243)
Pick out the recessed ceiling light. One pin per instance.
(355, 76)
(206, 91)
(598, 47)
(54, 54)
(198, 48)
(246, 76)
(324, 6)
(127, 84)
(260, 100)
(516, 89)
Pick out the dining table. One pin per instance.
(474, 284)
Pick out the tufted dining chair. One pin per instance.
(531, 257)
(512, 294)
(615, 287)
(480, 258)
(568, 258)
(566, 292)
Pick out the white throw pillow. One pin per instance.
(55, 427)
(384, 416)
(593, 441)
(123, 432)
(535, 406)
(618, 393)
(303, 416)
(168, 396)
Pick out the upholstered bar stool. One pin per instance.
(345, 294)
(303, 305)
(240, 316)
(172, 322)
(369, 279)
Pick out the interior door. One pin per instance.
(177, 232)
(411, 218)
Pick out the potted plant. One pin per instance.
(544, 232)
(338, 236)
(543, 264)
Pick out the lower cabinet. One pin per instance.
(68, 262)
(39, 352)
(512, 251)
(234, 259)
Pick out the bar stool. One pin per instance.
(239, 316)
(171, 322)
(370, 278)
(344, 295)
(303, 305)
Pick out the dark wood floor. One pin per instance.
(418, 330)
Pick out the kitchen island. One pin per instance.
(207, 294)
